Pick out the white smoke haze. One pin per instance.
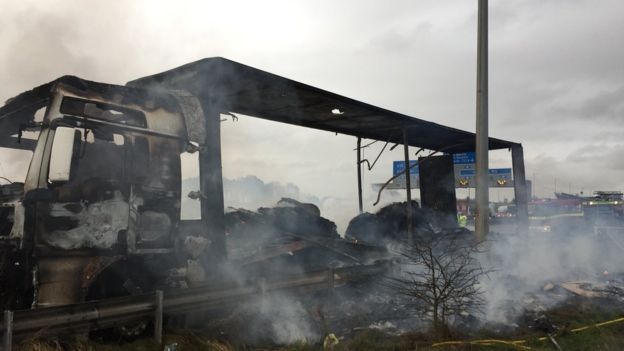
(268, 319)
(250, 193)
(524, 263)
(525, 273)
(284, 320)
(14, 164)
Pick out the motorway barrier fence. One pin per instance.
(110, 312)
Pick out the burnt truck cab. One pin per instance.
(103, 190)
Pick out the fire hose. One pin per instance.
(519, 344)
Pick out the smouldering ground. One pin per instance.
(569, 315)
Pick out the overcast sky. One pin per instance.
(556, 73)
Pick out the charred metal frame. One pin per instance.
(520, 188)
(211, 184)
(215, 86)
(408, 187)
(223, 86)
(229, 86)
(359, 174)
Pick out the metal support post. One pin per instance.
(158, 316)
(408, 187)
(520, 188)
(482, 196)
(359, 173)
(211, 186)
(8, 330)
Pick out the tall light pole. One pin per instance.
(482, 147)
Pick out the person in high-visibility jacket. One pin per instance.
(462, 220)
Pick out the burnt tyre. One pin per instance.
(125, 277)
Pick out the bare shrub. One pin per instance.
(439, 277)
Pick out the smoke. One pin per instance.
(524, 263)
(267, 318)
(280, 319)
(526, 270)
(14, 164)
(250, 192)
(252, 235)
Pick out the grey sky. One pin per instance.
(556, 73)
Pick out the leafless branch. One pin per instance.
(441, 276)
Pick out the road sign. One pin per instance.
(498, 177)
(464, 164)
(464, 158)
(399, 166)
(399, 182)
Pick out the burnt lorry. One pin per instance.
(99, 211)
(102, 190)
(96, 208)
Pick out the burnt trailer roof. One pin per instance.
(234, 87)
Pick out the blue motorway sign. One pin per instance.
(399, 166)
(467, 172)
(464, 173)
(492, 171)
(500, 171)
(458, 159)
(464, 158)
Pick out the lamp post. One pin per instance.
(482, 147)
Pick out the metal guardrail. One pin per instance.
(106, 313)
(82, 317)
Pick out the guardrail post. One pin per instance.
(158, 316)
(8, 330)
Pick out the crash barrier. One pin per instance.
(82, 317)
(107, 313)
(519, 344)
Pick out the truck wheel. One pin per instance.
(122, 278)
